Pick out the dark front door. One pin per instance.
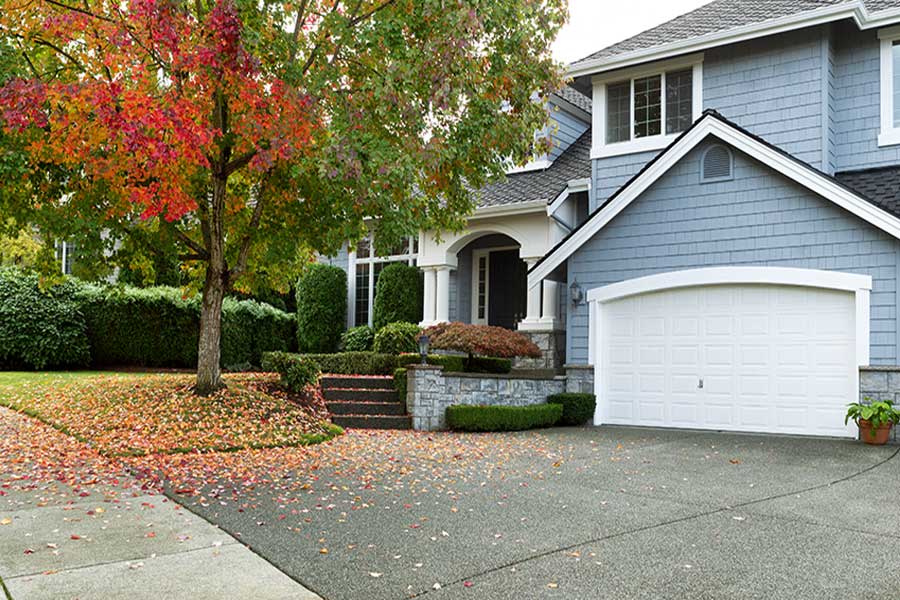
(508, 287)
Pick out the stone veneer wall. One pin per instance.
(579, 379)
(553, 350)
(430, 391)
(880, 383)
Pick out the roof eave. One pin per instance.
(828, 14)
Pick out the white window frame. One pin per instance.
(410, 257)
(600, 148)
(889, 134)
(476, 254)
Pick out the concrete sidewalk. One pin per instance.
(101, 542)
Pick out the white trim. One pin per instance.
(574, 186)
(538, 164)
(859, 285)
(729, 177)
(890, 133)
(713, 126)
(832, 280)
(599, 146)
(518, 208)
(567, 107)
(351, 287)
(828, 14)
(410, 257)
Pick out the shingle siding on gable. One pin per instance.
(567, 131)
(759, 218)
(858, 102)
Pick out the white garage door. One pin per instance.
(759, 358)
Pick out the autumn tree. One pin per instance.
(253, 132)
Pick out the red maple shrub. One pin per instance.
(481, 340)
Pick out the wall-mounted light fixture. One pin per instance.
(576, 294)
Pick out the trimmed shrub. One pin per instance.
(358, 339)
(159, 327)
(502, 418)
(398, 295)
(577, 408)
(451, 363)
(400, 379)
(397, 338)
(481, 340)
(321, 307)
(342, 363)
(40, 329)
(297, 371)
(488, 364)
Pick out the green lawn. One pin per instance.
(128, 414)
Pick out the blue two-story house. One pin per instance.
(715, 241)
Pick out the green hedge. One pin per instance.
(397, 338)
(321, 308)
(40, 329)
(340, 363)
(400, 379)
(577, 408)
(502, 418)
(488, 364)
(158, 327)
(398, 295)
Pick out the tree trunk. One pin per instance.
(209, 375)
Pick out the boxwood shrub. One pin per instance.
(397, 338)
(462, 417)
(339, 363)
(321, 308)
(40, 329)
(358, 339)
(577, 408)
(297, 371)
(398, 295)
(400, 379)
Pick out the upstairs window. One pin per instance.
(890, 87)
(648, 108)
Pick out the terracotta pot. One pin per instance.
(879, 437)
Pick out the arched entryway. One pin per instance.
(490, 282)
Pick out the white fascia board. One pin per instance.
(518, 208)
(710, 125)
(574, 186)
(554, 206)
(851, 10)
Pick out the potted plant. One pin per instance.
(874, 420)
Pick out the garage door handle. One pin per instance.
(700, 385)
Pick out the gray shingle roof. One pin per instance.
(573, 96)
(720, 16)
(879, 186)
(546, 184)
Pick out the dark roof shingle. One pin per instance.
(720, 16)
(879, 186)
(576, 98)
(546, 184)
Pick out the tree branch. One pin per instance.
(79, 10)
(238, 163)
(185, 239)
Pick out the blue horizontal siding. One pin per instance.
(758, 218)
(857, 103)
(565, 130)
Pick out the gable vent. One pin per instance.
(716, 164)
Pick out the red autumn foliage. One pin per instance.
(481, 340)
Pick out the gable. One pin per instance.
(715, 126)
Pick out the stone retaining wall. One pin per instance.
(880, 383)
(579, 379)
(430, 391)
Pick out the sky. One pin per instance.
(595, 24)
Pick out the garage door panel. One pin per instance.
(772, 359)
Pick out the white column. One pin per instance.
(550, 302)
(533, 303)
(442, 301)
(428, 312)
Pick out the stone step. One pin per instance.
(372, 382)
(359, 395)
(372, 421)
(366, 408)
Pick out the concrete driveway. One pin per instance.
(590, 513)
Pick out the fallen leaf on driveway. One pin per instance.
(552, 585)
(735, 461)
(376, 575)
(5, 521)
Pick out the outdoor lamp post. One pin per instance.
(424, 342)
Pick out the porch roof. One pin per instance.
(544, 184)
